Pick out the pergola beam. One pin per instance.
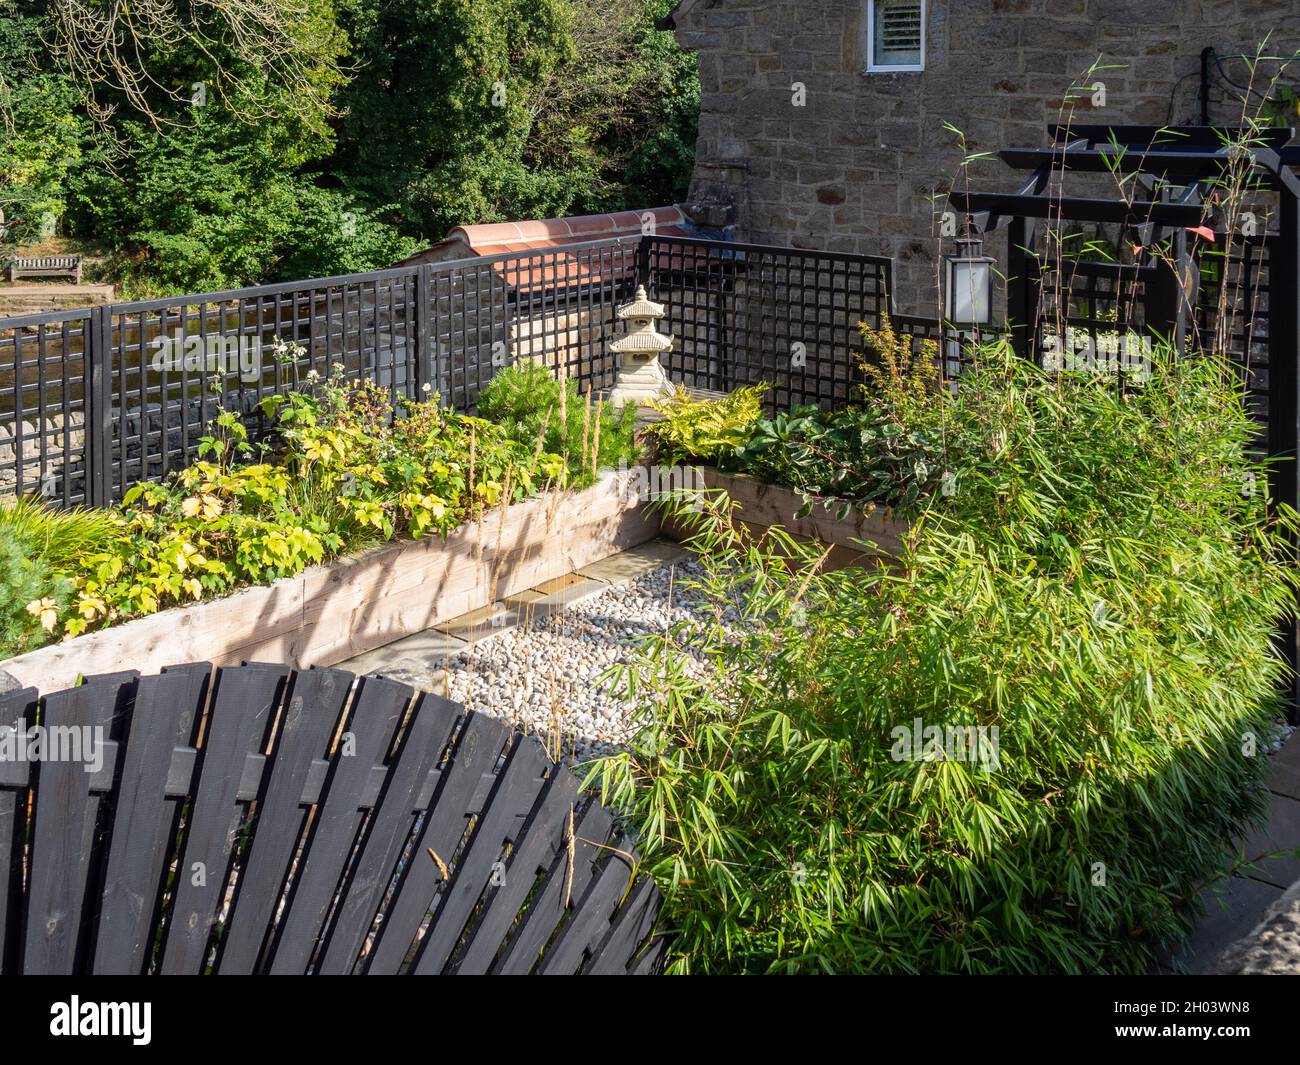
(1191, 165)
(1141, 212)
(1169, 138)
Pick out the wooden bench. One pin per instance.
(46, 266)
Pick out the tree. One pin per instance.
(216, 143)
(42, 136)
(439, 112)
(261, 59)
(522, 109)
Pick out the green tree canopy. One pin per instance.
(215, 143)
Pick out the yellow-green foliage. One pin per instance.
(346, 474)
(905, 380)
(703, 430)
(59, 537)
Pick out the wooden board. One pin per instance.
(331, 613)
(270, 821)
(764, 505)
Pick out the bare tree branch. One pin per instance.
(109, 46)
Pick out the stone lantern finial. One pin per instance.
(640, 377)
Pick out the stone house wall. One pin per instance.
(856, 163)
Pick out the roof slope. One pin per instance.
(500, 238)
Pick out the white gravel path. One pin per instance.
(547, 676)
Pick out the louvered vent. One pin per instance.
(898, 28)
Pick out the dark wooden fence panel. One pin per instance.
(481, 742)
(15, 706)
(242, 712)
(378, 712)
(165, 717)
(632, 925)
(541, 843)
(432, 725)
(307, 726)
(272, 821)
(566, 879)
(65, 831)
(497, 829)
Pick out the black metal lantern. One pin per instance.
(968, 294)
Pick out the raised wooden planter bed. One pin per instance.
(328, 614)
(764, 505)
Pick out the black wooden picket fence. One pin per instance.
(269, 821)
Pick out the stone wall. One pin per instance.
(856, 166)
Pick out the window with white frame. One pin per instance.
(895, 35)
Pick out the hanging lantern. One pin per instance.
(968, 292)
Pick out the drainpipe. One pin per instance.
(1207, 54)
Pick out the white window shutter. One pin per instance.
(898, 35)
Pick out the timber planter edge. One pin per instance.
(765, 505)
(330, 613)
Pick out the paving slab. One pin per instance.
(1281, 832)
(416, 674)
(426, 649)
(485, 621)
(1284, 776)
(636, 562)
(581, 589)
(557, 585)
(429, 645)
(1233, 907)
(504, 614)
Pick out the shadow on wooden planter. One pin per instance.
(328, 614)
(266, 821)
(764, 505)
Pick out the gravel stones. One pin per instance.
(549, 675)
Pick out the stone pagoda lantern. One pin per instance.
(640, 377)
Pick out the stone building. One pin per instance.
(823, 123)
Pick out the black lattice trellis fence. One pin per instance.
(745, 313)
(95, 400)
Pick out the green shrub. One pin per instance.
(705, 430)
(887, 450)
(330, 233)
(537, 409)
(31, 596)
(346, 473)
(1101, 588)
(855, 453)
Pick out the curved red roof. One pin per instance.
(496, 238)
